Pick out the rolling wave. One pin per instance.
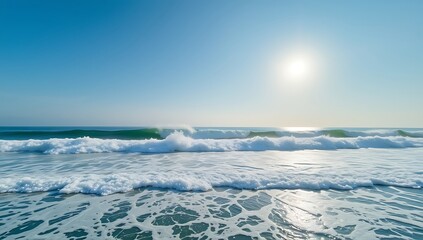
(157, 133)
(103, 134)
(178, 142)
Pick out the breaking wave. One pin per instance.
(179, 142)
(105, 185)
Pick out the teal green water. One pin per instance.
(77, 133)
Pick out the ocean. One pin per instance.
(210, 183)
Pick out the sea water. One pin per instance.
(210, 183)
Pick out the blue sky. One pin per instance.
(210, 63)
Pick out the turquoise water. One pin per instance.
(212, 184)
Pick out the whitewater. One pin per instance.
(235, 183)
(177, 142)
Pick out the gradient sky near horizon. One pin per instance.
(210, 63)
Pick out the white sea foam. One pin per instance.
(104, 185)
(178, 142)
(226, 167)
(207, 133)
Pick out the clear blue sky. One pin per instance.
(207, 63)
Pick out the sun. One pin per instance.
(297, 68)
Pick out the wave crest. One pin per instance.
(178, 142)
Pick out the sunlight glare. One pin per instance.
(297, 68)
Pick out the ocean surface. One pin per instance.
(210, 183)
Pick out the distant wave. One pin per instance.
(179, 142)
(156, 133)
(117, 134)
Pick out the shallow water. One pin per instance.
(365, 213)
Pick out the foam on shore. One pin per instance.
(105, 185)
